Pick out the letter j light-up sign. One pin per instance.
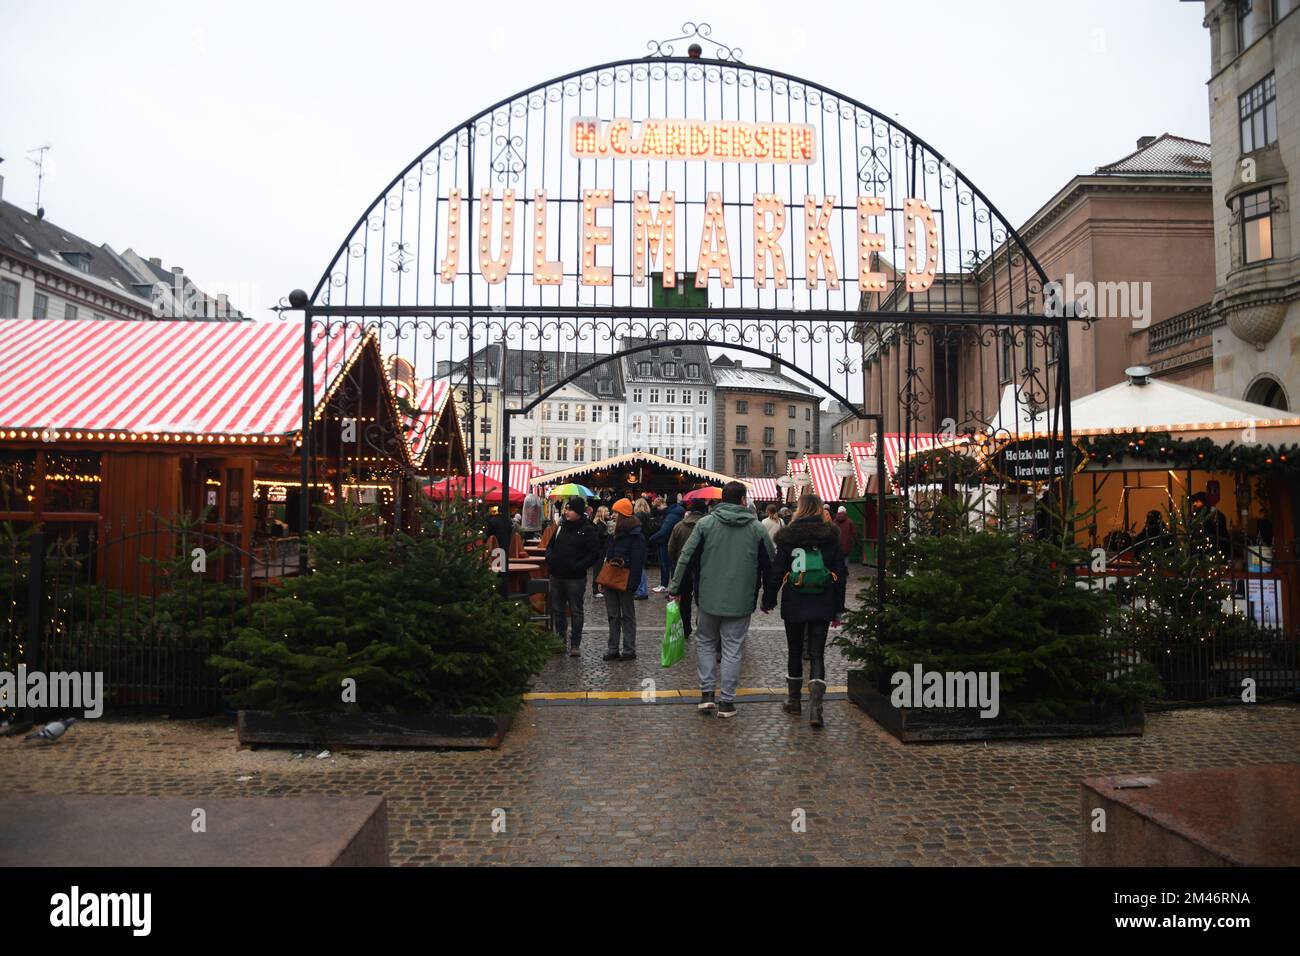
(809, 220)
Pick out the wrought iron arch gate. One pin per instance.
(698, 199)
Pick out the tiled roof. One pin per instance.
(26, 235)
(666, 351)
(1166, 155)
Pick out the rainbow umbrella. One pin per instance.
(711, 493)
(571, 490)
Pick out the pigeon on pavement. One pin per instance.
(53, 730)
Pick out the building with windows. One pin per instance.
(581, 422)
(1131, 242)
(47, 272)
(765, 419)
(670, 401)
(1255, 131)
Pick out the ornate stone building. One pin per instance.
(1255, 130)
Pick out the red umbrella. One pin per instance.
(484, 488)
(711, 493)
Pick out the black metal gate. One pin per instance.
(818, 233)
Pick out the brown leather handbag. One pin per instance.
(614, 575)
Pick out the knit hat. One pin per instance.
(843, 510)
(623, 507)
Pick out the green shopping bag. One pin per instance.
(673, 648)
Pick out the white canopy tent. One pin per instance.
(1144, 404)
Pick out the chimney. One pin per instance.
(1145, 141)
(223, 305)
(155, 262)
(177, 270)
(1138, 374)
(775, 364)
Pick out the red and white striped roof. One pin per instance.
(205, 378)
(763, 489)
(430, 397)
(520, 472)
(826, 484)
(859, 451)
(821, 472)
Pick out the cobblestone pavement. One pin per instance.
(637, 783)
(656, 783)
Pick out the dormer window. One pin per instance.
(79, 260)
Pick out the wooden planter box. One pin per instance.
(261, 727)
(935, 725)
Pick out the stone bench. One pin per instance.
(54, 830)
(1239, 816)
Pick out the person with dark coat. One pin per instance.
(1154, 534)
(848, 532)
(676, 541)
(625, 547)
(572, 551)
(808, 606)
(659, 540)
(500, 527)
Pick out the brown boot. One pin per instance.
(794, 688)
(816, 690)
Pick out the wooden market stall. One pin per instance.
(635, 473)
(1143, 446)
(111, 431)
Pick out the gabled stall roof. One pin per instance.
(167, 378)
(1139, 406)
(630, 460)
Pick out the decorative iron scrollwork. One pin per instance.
(694, 31)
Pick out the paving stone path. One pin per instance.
(656, 783)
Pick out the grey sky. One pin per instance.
(241, 140)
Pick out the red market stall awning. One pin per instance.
(482, 488)
(820, 469)
(896, 445)
(521, 473)
(170, 378)
(763, 489)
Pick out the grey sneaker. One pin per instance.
(726, 709)
(707, 705)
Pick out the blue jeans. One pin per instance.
(643, 590)
(710, 628)
(665, 569)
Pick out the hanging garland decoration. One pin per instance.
(946, 464)
(1201, 454)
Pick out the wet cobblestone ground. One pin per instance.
(637, 783)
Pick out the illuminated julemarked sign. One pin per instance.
(655, 237)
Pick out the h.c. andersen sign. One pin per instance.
(655, 238)
(1034, 460)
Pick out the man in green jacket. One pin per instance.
(731, 553)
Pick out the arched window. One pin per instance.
(1266, 390)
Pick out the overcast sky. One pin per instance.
(241, 140)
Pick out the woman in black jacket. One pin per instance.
(811, 575)
(626, 546)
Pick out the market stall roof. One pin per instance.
(763, 489)
(896, 445)
(1143, 404)
(192, 378)
(820, 468)
(630, 460)
(431, 397)
(521, 472)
